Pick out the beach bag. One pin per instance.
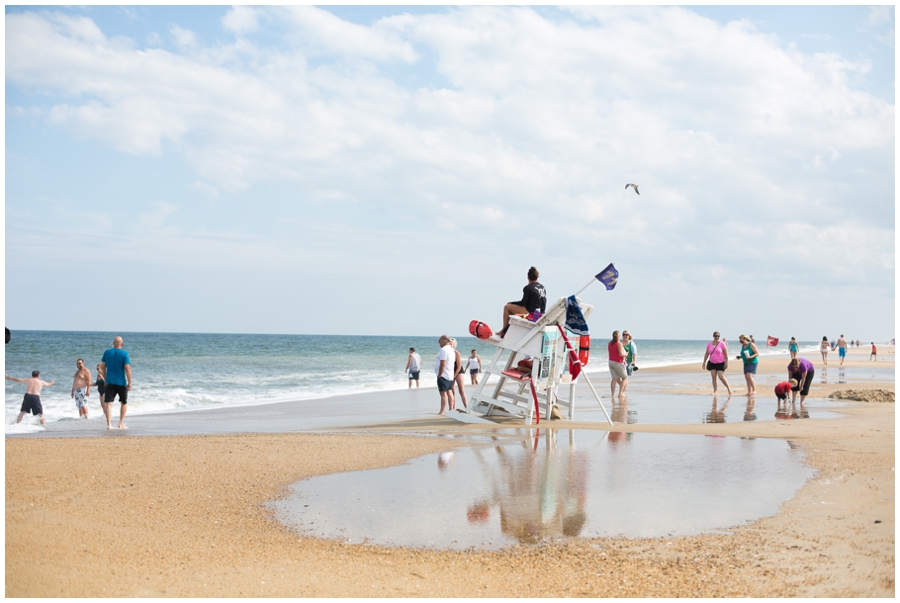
(480, 329)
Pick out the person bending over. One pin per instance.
(534, 297)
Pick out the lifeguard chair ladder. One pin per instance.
(511, 394)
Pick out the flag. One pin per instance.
(574, 318)
(771, 341)
(608, 276)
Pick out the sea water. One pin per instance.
(184, 371)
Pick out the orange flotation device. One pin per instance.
(584, 349)
(480, 329)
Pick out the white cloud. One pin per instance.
(184, 38)
(241, 20)
(542, 121)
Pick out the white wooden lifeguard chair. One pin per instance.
(541, 341)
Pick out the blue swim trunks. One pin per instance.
(842, 352)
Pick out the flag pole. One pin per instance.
(596, 395)
(591, 282)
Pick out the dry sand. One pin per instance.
(184, 516)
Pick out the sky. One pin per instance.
(397, 170)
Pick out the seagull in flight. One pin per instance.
(634, 186)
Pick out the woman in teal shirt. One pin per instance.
(750, 356)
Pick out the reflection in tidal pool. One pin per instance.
(553, 484)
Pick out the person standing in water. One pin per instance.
(824, 348)
(750, 356)
(459, 375)
(32, 401)
(617, 372)
(631, 354)
(115, 368)
(717, 354)
(413, 364)
(443, 369)
(81, 388)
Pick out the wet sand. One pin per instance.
(184, 516)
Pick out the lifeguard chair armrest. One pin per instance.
(517, 375)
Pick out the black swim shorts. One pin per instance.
(32, 404)
(444, 385)
(414, 375)
(715, 366)
(112, 390)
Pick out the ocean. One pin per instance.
(185, 371)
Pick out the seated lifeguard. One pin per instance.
(534, 297)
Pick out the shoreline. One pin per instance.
(184, 516)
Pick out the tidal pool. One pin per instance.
(553, 484)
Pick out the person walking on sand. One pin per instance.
(793, 347)
(802, 371)
(474, 366)
(874, 354)
(115, 369)
(750, 356)
(842, 348)
(81, 388)
(824, 348)
(459, 372)
(617, 372)
(534, 297)
(443, 369)
(32, 401)
(413, 365)
(717, 354)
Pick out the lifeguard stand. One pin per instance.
(542, 342)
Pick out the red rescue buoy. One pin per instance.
(480, 330)
(584, 351)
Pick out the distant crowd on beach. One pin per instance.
(113, 380)
(622, 356)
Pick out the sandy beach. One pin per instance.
(184, 516)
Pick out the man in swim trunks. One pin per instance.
(81, 388)
(842, 348)
(443, 369)
(115, 369)
(32, 401)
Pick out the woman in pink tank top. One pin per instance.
(717, 354)
(617, 369)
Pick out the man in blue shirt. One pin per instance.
(115, 368)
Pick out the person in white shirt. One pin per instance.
(474, 366)
(443, 368)
(413, 365)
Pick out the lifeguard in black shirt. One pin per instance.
(534, 297)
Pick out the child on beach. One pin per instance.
(784, 388)
(793, 348)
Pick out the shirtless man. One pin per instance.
(842, 348)
(81, 388)
(32, 401)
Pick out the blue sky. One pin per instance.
(396, 170)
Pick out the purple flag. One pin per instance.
(608, 276)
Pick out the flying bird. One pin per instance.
(634, 186)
